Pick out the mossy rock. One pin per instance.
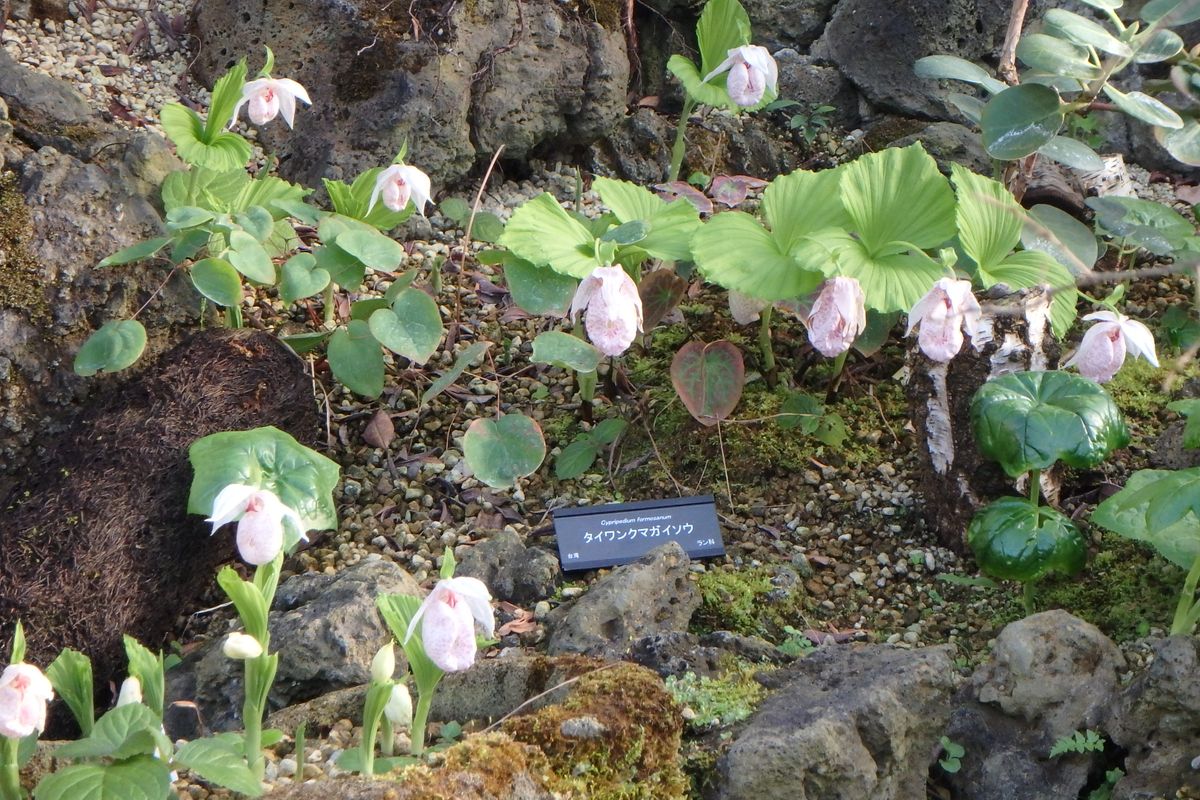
(20, 287)
(616, 737)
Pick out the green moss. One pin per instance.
(1137, 390)
(637, 755)
(606, 12)
(720, 701)
(19, 285)
(749, 602)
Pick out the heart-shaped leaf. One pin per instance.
(575, 459)
(1030, 420)
(356, 360)
(660, 290)
(708, 378)
(412, 327)
(114, 347)
(1020, 120)
(301, 277)
(499, 451)
(371, 248)
(250, 258)
(1014, 540)
(216, 279)
(564, 350)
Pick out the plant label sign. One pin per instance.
(604, 536)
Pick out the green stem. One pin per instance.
(1188, 609)
(233, 317)
(10, 773)
(1027, 598)
(420, 716)
(370, 729)
(252, 726)
(764, 340)
(328, 298)
(1035, 487)
(389, 737)
(680, 147)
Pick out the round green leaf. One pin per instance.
(412, 327)
(141, 778)
(1014, 540)
(575, 459)
(1073, 153)
(267, 457)
(372, 248)
(1062, 237)
(708, 378)
(1183, 143)
(564, 350)
(538, 290)
(1019, 120)
(1140, 105)
(114, 347)
(499, 451)
(301, 277)
(216, 279)
(1159, 45)
(1052, 55)
(487, 227)
(1030, 420)
(356, 360)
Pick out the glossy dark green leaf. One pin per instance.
(1030, 420)
(1019, 120)
(1013, 540)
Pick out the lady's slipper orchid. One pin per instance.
(131, 692)
(268, 97)
(399, 708)
(614, 309)
(752, 73)
(24, 693)
(1102, 351)
(259, 515)
(397, 184)
(448, 616)
(837, 317)
(943, 314)
(241, 646)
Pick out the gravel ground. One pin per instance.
(846, 526)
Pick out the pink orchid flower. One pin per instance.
(614, 309)
(949, 309)
(24, 693)
(397, 184)
(448, 616)
(259, 514)
(752, 73)
(837, 317)
(1102, 351)
(269, 97)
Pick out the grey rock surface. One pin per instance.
(788, 23)
(511, 570)
(849, 722)
(326, 630)
(950, 143)
(530, 75)
(1049, 675)
(1157, 720)
(812, 84)
(651, 595)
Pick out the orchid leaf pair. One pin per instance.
(1029, 421)
(732, 73)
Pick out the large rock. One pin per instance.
(456, 81)
(875, 42)
(1049, 675)
(651, 595)
(788, 23)
(1157, 721)
(851, 722)
(96, 538)
(511, 570)
(326, 630)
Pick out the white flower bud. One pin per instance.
(383, 665)
(399, 710)
(131, 691)
(240, 646)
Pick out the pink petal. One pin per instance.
(448, 633)
(259, 537)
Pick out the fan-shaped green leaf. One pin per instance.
(542, 232)
(220, 760)
(891, 282)
(671, 225)
(1160, 507)
(898, 195)
(989, 219)
(734, 251)
(123, 732)
(143, 778)
(799, 203)
(1029, 268)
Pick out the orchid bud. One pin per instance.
(131, 692)
(613, 309)
(752, 73)
(383, 665)
(241, 646)
(399, 708)
(838, 316)
(24, 693)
